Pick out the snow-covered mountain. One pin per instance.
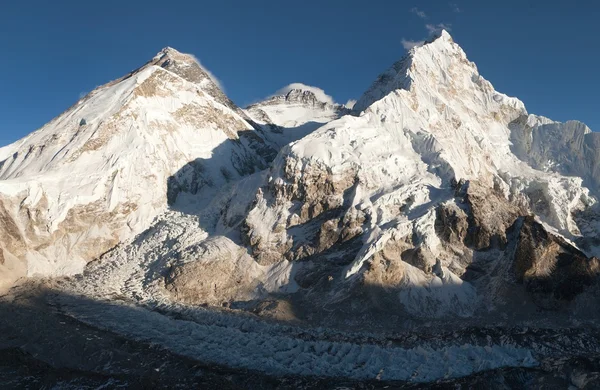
(105, 168)
(436, 201)
(293, 112)
(434, 231)
(435, 196)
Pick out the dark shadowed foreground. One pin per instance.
(42, 347)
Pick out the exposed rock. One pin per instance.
(212, 272)
(489, 216)
(551, 268)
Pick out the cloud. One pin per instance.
(437, 28)
(455, 8)
(213, 78)
(418, 12)
(319, 93)
(408, 44)
(350, 103)
(82, 94)
(433, 29)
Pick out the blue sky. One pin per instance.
(544, 52)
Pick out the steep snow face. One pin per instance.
(436, 92)
(294, 112)
(6, 151)
(569, 148)
(100, 172)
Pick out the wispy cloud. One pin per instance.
(455, 8)
(437, 28)
(418, 12)
(408, 44)
(432, 29)
(82, 94)
(350, 103)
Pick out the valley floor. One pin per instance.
(50, 338)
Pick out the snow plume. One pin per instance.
(418, 12)
(319, 93)
(350, 103)
(213, 78)
(408, 44)
(437, 28)
(433, 29)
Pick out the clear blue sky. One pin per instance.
(544, 52)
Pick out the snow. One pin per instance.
(8, 150)
(426, 123)
(437, 297)
(242, 342)
(319, 93)
(350, 103)
(137, 134)
(294, 117)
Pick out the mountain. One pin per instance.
(294, 112)
(429, 201)
(100, 172)
(437, 230)
(441, 199)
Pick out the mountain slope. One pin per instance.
(103, 170)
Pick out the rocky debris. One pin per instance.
(213, 272)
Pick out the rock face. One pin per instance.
(552, 270)
(103, 170)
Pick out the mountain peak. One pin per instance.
(188, 67)
(306, 93)
(298, 93)
(444, 35)
(440, 39)
(170, 54)
(438, 62)
(167, 50)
